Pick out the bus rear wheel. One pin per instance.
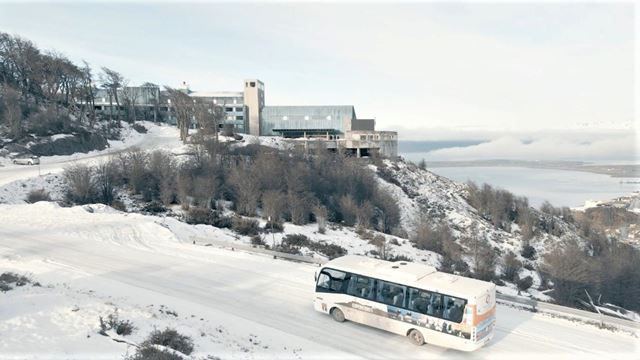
(416, 337)
(337, 315)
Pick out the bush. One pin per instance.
(198, 215)
(511, 266)
(154, 207)
(171, 339)
(38, 195)
(121, 327)
(139, 128)
(295, 240)
(274, 226)
(331, 251)
(528, 252)
(8, 278)
(243, 226)
(80, 188)
(257, 240)
(223, 222)
(525, 283)
(149, 352)
(119, 205)
(393, 257)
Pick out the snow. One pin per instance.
(92, 260)
(60, 136)
(159, 136)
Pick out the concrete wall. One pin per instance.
(254, 101)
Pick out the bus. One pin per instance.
(409, 299)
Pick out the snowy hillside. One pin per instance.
(92, 261)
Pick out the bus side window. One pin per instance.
(435, 305)
(419, 300)
(391, 294)
(453, 309)
(361, 286)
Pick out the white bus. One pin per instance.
(408, 299)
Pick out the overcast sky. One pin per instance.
(416, 67)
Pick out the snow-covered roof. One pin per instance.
(412, 274)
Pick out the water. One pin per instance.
(559, 187)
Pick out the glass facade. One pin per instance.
(338, 118)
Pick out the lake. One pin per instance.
(559, 187)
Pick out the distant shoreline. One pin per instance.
(616, 171)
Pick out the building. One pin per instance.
(335, 127)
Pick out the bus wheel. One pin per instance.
(337, 315)
(416, 337)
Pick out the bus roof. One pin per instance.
(412, 274)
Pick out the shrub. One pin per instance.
(393, 257)
(154, 207)
(38, 195)
(511, 266)
(119, 205)
(171, 339)
(274, 226)
(528, 252)
(525, 283)
(121, 327)
(8, 278)
(245, 226)
(80, 188)
(149, 352)
(257, 240)
(331, 251)
(295, 240)
(223, 222)
(139, 128)
(198, 215)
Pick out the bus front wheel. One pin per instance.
(337, 315)
(416, 337)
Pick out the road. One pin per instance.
(160, 137)
(274, 293)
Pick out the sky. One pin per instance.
(424, 69)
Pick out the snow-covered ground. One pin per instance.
(94, 260)
(160, 136)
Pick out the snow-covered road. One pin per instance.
(159, 137)
(133, 256)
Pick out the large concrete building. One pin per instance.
(332, 126)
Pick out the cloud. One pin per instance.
(580, 147)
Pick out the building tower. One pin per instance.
(254, 101)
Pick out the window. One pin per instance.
(238, 109)
(253, 84)
(363, 137)
(453, 308)
(391, 294)
(229, 109)
(361, 286)
(239, 117)
(331, 280)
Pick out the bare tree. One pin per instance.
(112, 81)
(183, 107)
(12, 112)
